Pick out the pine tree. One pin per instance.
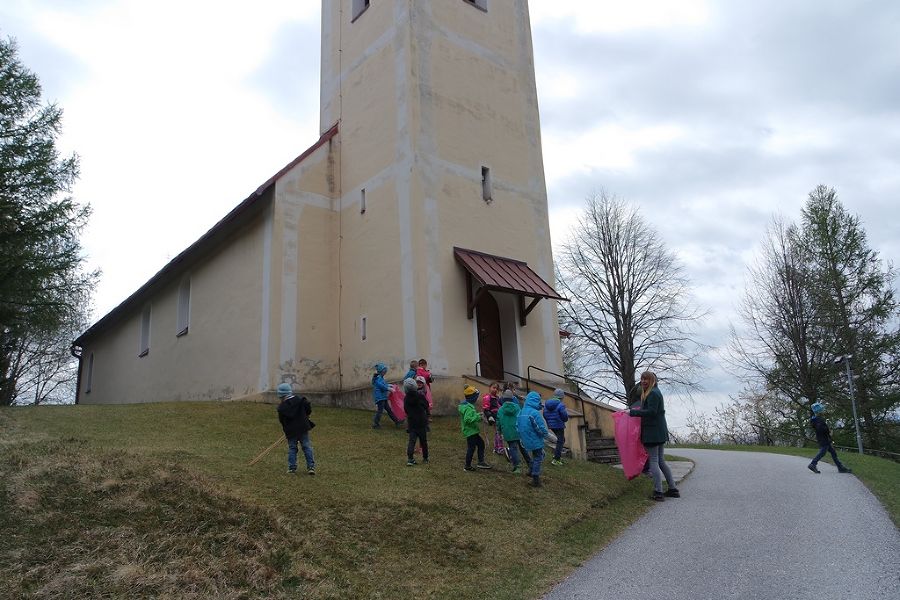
(42, 285)
(852, 291)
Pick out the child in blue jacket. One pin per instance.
(532, 431)
(556, 415)
(380, 391)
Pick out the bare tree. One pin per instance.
(630, 304)
(780, 348)
(700, 429)
(42, 366)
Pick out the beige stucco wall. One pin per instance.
(219, 356)
(427, 93)
(304, 284)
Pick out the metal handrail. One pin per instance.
(563, 377)
(578, 380)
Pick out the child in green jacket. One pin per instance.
(506, 419)
(470, 423)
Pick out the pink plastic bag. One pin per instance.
(428, 397)
(395, 400)
(628, 439)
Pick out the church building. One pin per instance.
(415, 226)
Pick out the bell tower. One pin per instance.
(439, 148)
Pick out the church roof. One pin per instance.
(249, 207)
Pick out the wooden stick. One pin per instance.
(266, 451)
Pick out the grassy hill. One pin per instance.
(158, 501)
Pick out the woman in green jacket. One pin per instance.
(654, 435)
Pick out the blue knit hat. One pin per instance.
(284, 389)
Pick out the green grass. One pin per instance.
(157, 500)
(880, 475)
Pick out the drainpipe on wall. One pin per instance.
(76, 351)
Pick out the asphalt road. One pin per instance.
(751, 525)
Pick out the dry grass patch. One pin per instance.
(158, 501)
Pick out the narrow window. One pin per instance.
(359, 7)
(90, 374)
(144, 350)
(486, 188)
(482, 4)
(362, 201)
(362, 327)
(184, 307)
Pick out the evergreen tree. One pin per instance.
(42, 286)
(854, 299)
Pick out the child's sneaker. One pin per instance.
(411, 462)
(424, 461)
(556, 462)
(813, 468)
(517, 470)
(311, 471)
(484, 465)
(292, 471)
(468, 468)
(672, 493)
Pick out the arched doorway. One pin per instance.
(490, 339)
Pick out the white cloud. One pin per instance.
(590, 16)
(610, 146)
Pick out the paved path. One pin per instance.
(751, 525)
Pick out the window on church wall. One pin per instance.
(482, 4)
(487, 192)
(362, 201)
(359, 7)
(184, 307)
(362, 327)
(144, 348)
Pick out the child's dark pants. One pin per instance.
(474, 442)
(411, 445)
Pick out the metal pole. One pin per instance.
(853, 403)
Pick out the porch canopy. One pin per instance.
(496, 273)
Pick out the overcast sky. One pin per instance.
(711, 117)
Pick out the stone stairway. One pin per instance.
(601, 449)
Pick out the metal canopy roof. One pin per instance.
(503, 275)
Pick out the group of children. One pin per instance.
(520, 431)
(517, 429)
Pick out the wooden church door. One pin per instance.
(490, 342)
